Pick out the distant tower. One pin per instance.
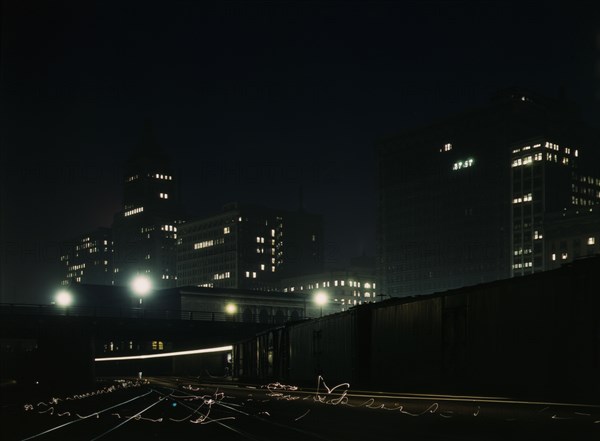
(145, 230)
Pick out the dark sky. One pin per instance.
(252, 100)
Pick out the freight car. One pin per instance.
(532, 336)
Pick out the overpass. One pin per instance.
(47, 343)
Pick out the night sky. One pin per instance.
(252, 100)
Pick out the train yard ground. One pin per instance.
(182, 408)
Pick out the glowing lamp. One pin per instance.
(141, 285)
(321, 298)
(230, 308)
(64, 298)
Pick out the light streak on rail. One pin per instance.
(167, 354)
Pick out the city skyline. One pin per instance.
(244, 96)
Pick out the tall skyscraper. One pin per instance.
(249, 247)
(447, 212)
(145, 230)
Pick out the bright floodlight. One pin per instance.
(64, 298)
(231, 308)
(141, 285)
(321, 298)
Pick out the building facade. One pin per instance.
(570, 236)
(342, 288)
(553, 200)
(249, 247)
(447, 214)
(88, 259)
(145, 230)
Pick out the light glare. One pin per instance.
(64, 298)
(321, 298)
(141, 285)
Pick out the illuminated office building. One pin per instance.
(553, 201)
(88, 259)
(458, 198)
(249, 247)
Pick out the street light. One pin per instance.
(321, 299)
(141, 286)
(64, 298)
(230, 308)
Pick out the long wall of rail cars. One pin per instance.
(536, 335)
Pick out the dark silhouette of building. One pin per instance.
(452, 210)
(248, 246)
(88, 259)
(145, 230)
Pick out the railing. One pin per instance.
(15, 309)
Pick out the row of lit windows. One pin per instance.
(318, 285)
(168, 277)
(527, 160)
(165, 177)
(208, 243)
(132, 178)
(77, 267)
(168, 228)
(582, 201)
(590, 180)
(522, 251)
(447, 147)
(221, 276)
(164, 195)
(522, 265)
(526, 198)
(134, 211)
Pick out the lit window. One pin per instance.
(133, 211)
(591, 240)
(564, 256)
(463, 164)
(447, 147)
(247, 273)
(262, 266)
(226, 230)
(553, 256)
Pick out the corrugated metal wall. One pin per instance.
(324, 346)
(530, 336)
(406, 345)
